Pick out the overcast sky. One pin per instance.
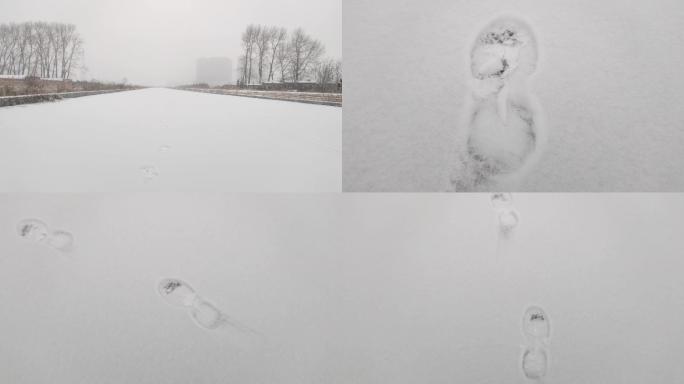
(156, 42)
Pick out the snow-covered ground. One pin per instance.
(169, 140)
(343, 288)
(607, 79)
(19, 77)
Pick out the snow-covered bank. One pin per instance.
(330, 99)
(22, 77)
(169, 140)
(39, 98)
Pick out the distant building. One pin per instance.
(214, 71)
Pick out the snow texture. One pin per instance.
(503, 123)
(20, 77)
(169, 140)
(607, 81)
(345, 288)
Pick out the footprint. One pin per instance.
(502, 126)
(535, 363)
(33, 229)
(501, 201)
(37, 231)
(508, 220)
(536, 324)
(508, 217)
(149, 172)
(536, 327)
(206, 315)
(177, 293)
(61, 240)
(505, 46)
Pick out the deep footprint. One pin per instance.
(502, 125)
(502, 48)
(497, 146)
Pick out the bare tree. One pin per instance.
(75, 55)
(338, 72)
(278, 37)
(11, 40)
(325, 72)
(328, 74)
(262, 43)
(39, 49)
(44, 48)
(56, 49)
(70, 44)
(294, 56)
(256, 31)
(304, 52)
(6, 47)
(283, 60)
(24, 47)
(248, 41)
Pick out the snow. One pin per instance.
(19, 77)
(54, 94)
(169, 140)
(347, 288)
(13, 77)
(608, 81)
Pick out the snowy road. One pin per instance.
(168, 140)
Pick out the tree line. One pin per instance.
(40, 49)
(273, 54)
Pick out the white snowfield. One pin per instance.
(169, 140)
(344, 288)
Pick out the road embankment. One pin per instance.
(6, 101)
(331, 99)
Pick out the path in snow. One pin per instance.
(169, 140)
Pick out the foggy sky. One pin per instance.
(156, 42)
